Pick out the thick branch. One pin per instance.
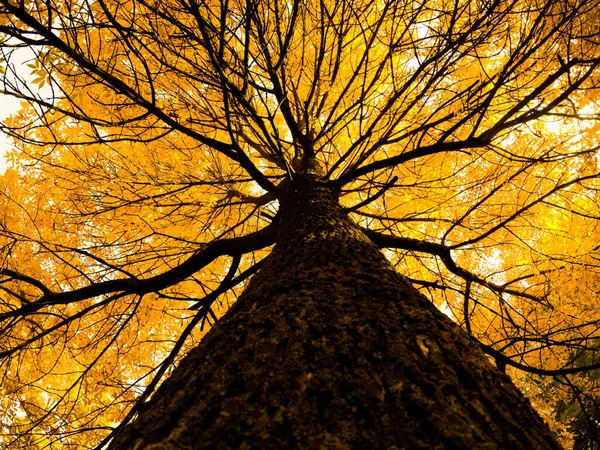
(444, 253)
(413, 154)
(503, 359)
(210, 252)
(25, 278)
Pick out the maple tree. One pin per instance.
(163, 148)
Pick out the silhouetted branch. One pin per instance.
(229, 246)
(374, 197)
(444, 253)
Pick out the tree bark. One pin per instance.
(330, 348)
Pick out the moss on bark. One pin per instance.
(330, 348)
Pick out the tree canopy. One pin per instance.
(153, 137)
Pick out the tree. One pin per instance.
(163, 148)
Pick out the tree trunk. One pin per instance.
(330, 348)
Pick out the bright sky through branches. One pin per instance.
(9, 104)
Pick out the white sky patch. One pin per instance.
(553, 125)
(587, 110)
(493, 264)
(389, 254)
(18, 60)
(445, 308)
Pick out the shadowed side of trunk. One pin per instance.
(330, 348)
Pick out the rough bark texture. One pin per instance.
(330, 348)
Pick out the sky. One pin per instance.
(8, 104)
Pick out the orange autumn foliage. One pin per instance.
(149, 130)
